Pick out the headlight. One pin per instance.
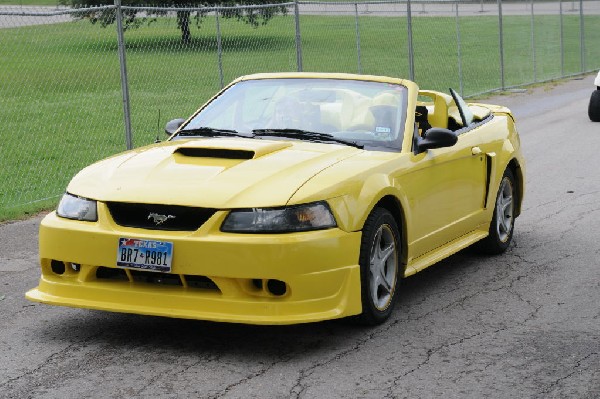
(314, 216)
(73, 207)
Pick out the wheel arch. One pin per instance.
(393, 205)
(517, 172)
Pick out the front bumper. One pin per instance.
(215, 276)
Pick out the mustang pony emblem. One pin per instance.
(159, 219)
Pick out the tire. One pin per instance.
(594, 108)
(379, 267)
(503, 221)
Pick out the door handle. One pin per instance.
(475, 150)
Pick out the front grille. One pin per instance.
(145, 277)
(141, 276)
(109, 273)
(200, 282)
(159, 217)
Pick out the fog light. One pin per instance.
(75, 267)
(57, 266)
(276, 287)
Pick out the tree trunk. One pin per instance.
(183, 23)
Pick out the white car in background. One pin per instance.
(594, 108)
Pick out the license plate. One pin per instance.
(145, 254)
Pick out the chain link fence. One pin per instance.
(73, 92)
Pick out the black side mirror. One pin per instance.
(173, 125)
(436, 138)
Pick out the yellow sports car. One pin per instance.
(286, 198)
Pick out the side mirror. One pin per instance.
(437, 138)
(173, 125)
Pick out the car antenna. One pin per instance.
(158, 128)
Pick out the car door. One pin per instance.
(446, 189)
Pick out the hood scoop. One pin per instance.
(226, 148)
(222, 153)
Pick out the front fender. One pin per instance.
(351, 210)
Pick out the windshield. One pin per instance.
(371, 114)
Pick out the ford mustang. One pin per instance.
(286, 198)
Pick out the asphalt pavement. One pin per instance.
(525, 324)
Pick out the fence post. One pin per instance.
(562, 41)
(459, 50)
(411, 56)
(357, 37)
(298, 36)
(124, 84)
(581, 36)
(501, 39)
(219, 48)
(533, 43)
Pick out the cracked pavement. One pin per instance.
(525, 324)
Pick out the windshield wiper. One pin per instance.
(210, 132)
(304, 134)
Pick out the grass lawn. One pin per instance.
(60, 93)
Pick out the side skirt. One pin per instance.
(428, 259)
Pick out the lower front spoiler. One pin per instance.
(212, 306)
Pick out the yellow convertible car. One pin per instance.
(286, 198)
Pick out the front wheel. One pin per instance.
(503, 222)
(379, 266)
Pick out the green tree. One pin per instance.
(133, 18)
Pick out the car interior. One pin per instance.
(441, 110)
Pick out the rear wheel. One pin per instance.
(503, 222)
(594, 108)
(379, 266)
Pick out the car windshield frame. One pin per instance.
(366, 113)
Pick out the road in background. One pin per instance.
(437, 8)
(522, 325)
(13, 16)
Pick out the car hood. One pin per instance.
(217, 173)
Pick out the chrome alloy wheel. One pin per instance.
(504, 210)
(383, 267)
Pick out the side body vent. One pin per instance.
(215, 153)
